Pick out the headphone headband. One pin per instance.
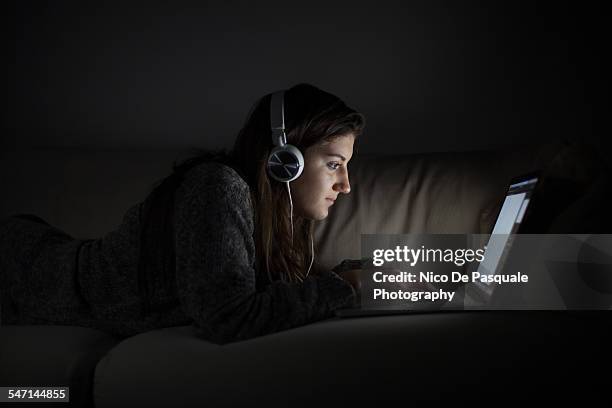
(285, 162)
(277, 118)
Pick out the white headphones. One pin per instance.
(285, 162)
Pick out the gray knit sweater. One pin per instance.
(94, 282)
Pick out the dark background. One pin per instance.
(429, 76)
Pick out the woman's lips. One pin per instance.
(330, 200)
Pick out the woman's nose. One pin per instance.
(343, 185)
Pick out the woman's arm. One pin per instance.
(215, 266)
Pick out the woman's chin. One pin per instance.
(318, 216)
(314, 214)
(322, 215)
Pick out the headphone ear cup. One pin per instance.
(285, 163)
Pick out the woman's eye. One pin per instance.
(333, 165)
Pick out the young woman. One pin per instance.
(223, 242)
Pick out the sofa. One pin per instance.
(464, 357)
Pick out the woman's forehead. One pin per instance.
(342, 145)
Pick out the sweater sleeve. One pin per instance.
(215, 266)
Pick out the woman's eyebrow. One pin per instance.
(337, 155)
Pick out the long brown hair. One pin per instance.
(311, 116)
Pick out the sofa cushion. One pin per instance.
(452, 193)
(52, 356)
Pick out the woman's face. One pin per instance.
(325, 176)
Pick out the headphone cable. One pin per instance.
(290, 211)
(311, 238)
(311, 256)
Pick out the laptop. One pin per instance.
(510, 220)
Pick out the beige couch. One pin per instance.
(358, 361)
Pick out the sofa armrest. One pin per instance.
(361, 361)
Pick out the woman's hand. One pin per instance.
(352, 276)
